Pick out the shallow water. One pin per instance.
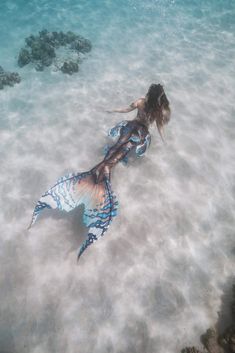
(154, 283)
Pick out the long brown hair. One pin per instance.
(157, 106)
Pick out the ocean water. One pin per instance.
(155, 282)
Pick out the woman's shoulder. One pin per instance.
(140, 102)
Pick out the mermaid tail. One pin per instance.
(141, 141)
(93, 188)
(73, 190)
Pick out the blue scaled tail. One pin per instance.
(93, 188)
(73, 190)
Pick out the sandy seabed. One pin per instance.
(154, 283)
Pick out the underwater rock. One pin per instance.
(24, 57)
(69, 67)
(227, 340)
(8, 78)
(81, 45)
(233, 305)
(210, 341)
(30, 40)
(215, 343)
(46, 61)
(71, 37)
(39, 67)
(190, 350)
(42, 50)
(62, 38)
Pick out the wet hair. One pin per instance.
(157, 106)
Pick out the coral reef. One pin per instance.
(42, 50)
(190, 350)
(8, 78)
(210, 341)
(227, 339)
(69, 67)
(213, 342)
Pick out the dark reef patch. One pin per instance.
(215, 340)
(69, 67)
(44, 49)
(8, 78)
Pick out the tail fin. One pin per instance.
(73, 190)
(98, 219)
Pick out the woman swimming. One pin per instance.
(93, 188)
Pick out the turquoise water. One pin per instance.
(154, 283)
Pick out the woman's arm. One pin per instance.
(131, 107)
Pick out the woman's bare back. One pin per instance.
(141, 113)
